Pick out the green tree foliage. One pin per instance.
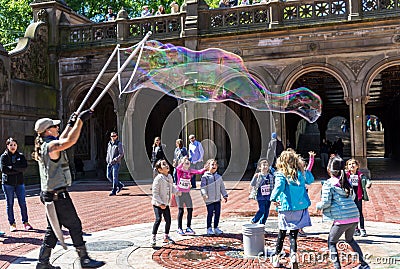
(15, 16)
(95, 10)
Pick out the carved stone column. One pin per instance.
(358, 130)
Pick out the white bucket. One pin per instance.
(253, 239)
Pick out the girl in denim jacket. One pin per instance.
(338, 206)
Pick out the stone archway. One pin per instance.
(383, 104)
(91, 146)
(329, 88)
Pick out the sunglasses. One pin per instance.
(53, 126)
(113, 136)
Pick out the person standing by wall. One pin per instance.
(179, 152)
(55, 178)
(196, 155)
(157, 154)
(110, 16)
(115, 153)
(275, 148)
(13, 164)
(324, 153)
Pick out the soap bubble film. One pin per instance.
(214, 75)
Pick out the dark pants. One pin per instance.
(68, 218)
(334, 235)
(359, 206)
(189, 217)
(292, 238)
(167, 217)
(213, 209)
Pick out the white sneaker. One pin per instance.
(217, 231)
(210, 231)
(153, 241)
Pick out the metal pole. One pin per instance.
(114, 78)
(98, 79)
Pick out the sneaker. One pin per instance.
(357, 232)
(217, 231)
(112, 194)
(2, 233)
(168, 240)
(180, 231)
(27, 226)
(13, 227)
(189, 231)
(120, 187)
(210, 231)
(153, 241)
(363, 233)
(275, 261)
(302, 233)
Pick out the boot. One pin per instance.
(86, 261)
(44, 259)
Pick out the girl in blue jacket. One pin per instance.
(291, 198)
(337, 204)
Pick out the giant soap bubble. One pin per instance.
(214, 75)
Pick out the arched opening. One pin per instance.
(384, 105)
(90, 150)
(252, 127)
(304, 136)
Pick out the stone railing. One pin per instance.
(162, 27)
(274, 14)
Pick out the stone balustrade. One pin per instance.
(274, 14)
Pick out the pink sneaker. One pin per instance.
(27, 226)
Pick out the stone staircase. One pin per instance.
(375, 144)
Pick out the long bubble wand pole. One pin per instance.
(114, 78)
(98, 78)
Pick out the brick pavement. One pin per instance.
(99, 212)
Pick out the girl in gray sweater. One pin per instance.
(212, 188)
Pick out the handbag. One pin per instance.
(253, 193)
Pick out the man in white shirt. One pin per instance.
(196, 154)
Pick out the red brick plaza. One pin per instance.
(132, 205)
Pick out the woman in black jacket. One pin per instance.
(13, 164)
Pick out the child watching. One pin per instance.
(360, 184)
(262, 184)
(337, 205)
(162, 190)
(183, 177)
(212, 187)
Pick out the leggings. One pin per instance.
(334, 235)
(167, 217)
(189, 217)
(292, 238)
(360, 210)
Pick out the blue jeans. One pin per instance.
(112, 176)
(263, 211)
(9, 191)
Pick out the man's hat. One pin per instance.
(109, 7)
(42, 124)
(146, 6)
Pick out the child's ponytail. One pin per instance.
(336, 168)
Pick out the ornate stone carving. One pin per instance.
(355, 64)
(43, 15)
(3, 77)
(313, 46)
(31, 63)
(274, 71)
